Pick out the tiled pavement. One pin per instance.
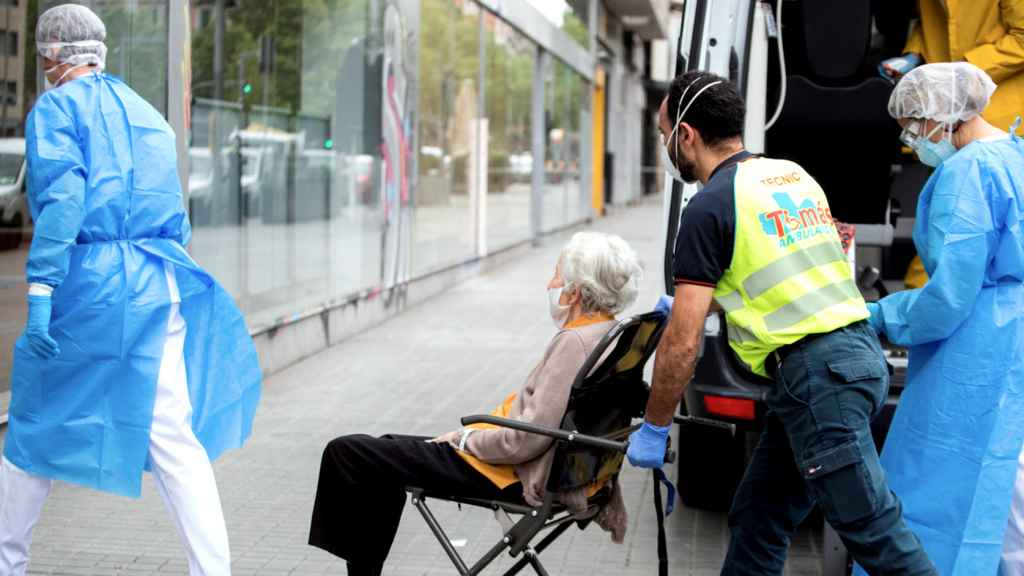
(459, 353)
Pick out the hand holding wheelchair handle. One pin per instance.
(648, 441)
(668, 455)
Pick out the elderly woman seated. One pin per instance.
(361, 491)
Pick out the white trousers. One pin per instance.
(1012, 563)
(181, 469)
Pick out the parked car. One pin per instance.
(15, 218)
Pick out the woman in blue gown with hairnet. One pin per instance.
(952, 451)
(133, 357)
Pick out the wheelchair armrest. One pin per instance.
(685, 419)
(555, 433)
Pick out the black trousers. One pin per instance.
(361, 492)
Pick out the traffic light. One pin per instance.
(247, 88)
(328, 144)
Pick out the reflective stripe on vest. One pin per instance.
(789, 276)
(740, 335)
(810, 304)
(730, 302)
(781, 270)
(788, 266)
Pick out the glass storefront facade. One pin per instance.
(563, 105)
(336, 148)
(511, 59)
(301, 165)
(444, 230)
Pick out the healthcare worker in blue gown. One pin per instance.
(952, 450)
(133, 357)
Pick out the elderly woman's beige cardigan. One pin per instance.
(542, 401)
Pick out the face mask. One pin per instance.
(934, 153)
(670, 166)
(47, 85)
(559, 312)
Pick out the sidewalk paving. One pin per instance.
(459, 353)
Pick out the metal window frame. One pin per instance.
(532, 24)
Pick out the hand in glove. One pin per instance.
(647, 446)
(896, 68)
(664, 305)
(876, 318)
(37, 330)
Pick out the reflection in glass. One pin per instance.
(509, 77)
(444, 231)
(565, 93)
(136, 42)
(302, 125)
(10, 164)
(562, 14)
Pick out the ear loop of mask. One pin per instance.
(45, 49)
(947, 129)
(682, 111)
(76, 44)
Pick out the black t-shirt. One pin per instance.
(707, 232)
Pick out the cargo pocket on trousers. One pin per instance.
(842, 483)
(861, 379)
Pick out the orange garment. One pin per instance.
(916, 276)
(986, 33)
(504, 475)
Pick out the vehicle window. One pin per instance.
(10, 167)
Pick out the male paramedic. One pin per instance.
(759, 241)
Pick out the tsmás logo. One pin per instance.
(792, 223)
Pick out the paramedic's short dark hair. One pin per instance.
(719, 112)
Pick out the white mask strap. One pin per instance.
(682, 111)
(76, 44)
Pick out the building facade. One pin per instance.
(344, 158)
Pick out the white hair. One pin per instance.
(604, 269)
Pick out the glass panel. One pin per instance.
(564, 95)
(509, 78)
(578, 102)
(138, 28)
(136, 42)
(300, 149)
(562, 15)
(556, 149)
(444, 230)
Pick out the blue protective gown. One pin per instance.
(951, 453)
(107, 205)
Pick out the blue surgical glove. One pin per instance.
(664, 305)
(895, 68)
(37, 330)
(647, 446)
(876, 317)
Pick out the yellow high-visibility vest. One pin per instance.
(789, 276)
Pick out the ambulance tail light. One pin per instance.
(738, 408)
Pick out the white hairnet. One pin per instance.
(948, 92)
(72, 34)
